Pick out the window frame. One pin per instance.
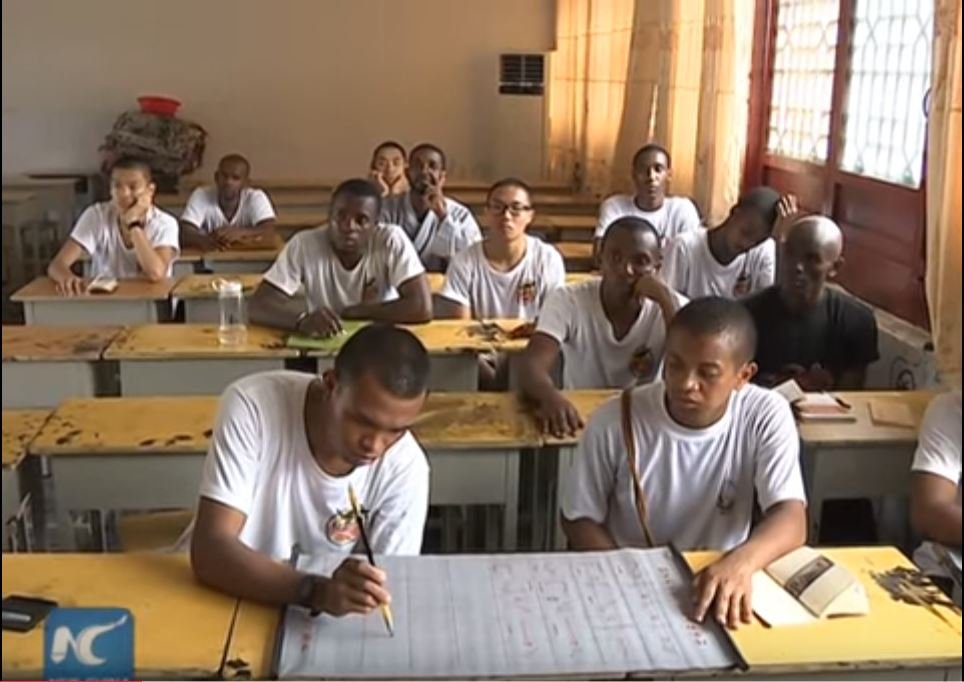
(883, 222)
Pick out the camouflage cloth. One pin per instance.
(173, 146)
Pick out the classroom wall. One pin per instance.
(303, 87)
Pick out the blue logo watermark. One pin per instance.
(89, 644)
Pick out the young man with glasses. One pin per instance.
(509, 273)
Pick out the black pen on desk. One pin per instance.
(840, 401)
(357, 511)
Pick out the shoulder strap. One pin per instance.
(629, 439)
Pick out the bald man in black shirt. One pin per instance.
(816, 335)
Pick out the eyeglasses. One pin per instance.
(514, 210)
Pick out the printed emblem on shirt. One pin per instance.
(743, 284)
(342, 528)
(527, 292)
(642, 363)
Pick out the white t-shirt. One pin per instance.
(592, 357)
(698, 484)
(939, 453)
(204, 211)
(96, 230)
(259, 463)
(691, 269)
(518, 293)
(307, 262)
(676, 216)
(433, 239)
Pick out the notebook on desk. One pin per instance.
(815, 407)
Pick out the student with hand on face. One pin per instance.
(286, 449)
(685, 459)
(355, 267)
(438, 227)
(229, 211)
(736, 259)
(808, 331)
(126, 237)
(387, 171)
(609, 331)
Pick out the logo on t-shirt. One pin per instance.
(743, 284)
(642, 362)
(527, 292)
(342, 528)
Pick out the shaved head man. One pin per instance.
(819, 336)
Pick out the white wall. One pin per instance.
(302, 87)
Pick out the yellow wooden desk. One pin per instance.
(188, 262)
(19, 428)
(454, 347)
(43, 364)
(180, 628)
(125, 453)
(200, 298)
(186, 359)
(860, 459)
(234, 260)
(909, 641)
(147, 452)
(135, 301)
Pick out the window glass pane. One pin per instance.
(803, 67)
(884, 123)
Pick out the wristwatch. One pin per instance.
(306, 594)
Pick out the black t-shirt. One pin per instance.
(838, 334)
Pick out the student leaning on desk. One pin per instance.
(684, 460)
(125, 237)
(285, 450)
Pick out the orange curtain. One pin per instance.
(944, 192)
(670, 71)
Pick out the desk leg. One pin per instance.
(567, 455)
(11, 501)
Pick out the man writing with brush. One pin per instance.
(286, 451)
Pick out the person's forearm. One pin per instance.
(154, 267)
(58, 271)
(783, 528)
(401, 311)
(667, 304)
(938, 521)
(228, 565)
(585, 535)
(270, 311)
(193, 238)
(535, 382)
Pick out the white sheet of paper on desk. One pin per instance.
(512, 615)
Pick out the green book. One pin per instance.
(332, 344)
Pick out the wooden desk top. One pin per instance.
(23, 182)
(17, 196)
(163, 424)
(178, 424)
(190, 341)
(864, 431)
(243, 255)
(25, 343)
(441, 337)
(43, 289)
(568, 222)
(19, 428)
(464, 420)
(574, 250)
(894, 633)
(180, 627)
(202, 286)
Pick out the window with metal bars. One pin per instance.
(838, 117)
